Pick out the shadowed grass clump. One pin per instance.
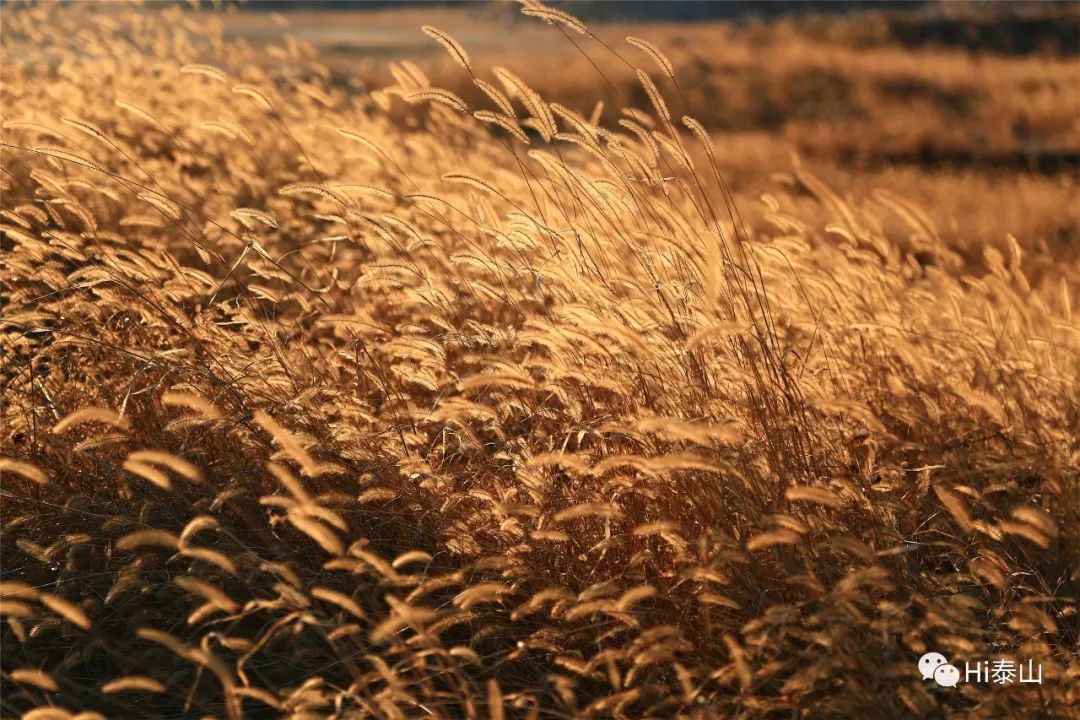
(331, 405)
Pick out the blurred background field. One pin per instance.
(971, 110)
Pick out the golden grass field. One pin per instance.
(720, 372)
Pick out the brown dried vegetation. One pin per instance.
(325, 405)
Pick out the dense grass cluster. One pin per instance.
(323, 405)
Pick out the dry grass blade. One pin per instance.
(35, 677)
(66, 609)
(318, 532)
(140, 538)
(23, 469)
(47, 713)
(208, 71)
(341, 600)
(288, 443)
(453, 48)
(653, 52)
(444, 97)
(482, 593)
(772, 538)
(192, 401)
(655, 97)
(256, 95)
(91, 415)
(496, 708)
(956, 507)
(817, 495)
(133, 683)
(148, 473)
(178, 465)
(213, 594)
(554, 16)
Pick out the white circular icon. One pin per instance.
(947, 675)
(930, 662)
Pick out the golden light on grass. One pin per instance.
(439, 399)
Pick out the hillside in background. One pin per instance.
(1005, 26)
(865, 99)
